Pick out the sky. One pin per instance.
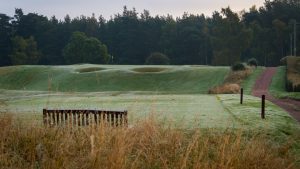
(108, 8)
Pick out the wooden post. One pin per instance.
(263, 106)
(53, 118)
(87, 117)
(74, 118)
(82, 118)
(57, 117)
(66, 118)
(62, 118)
(49, 117)
(78, 117)
(112, 119)
(125, 119)
(242, 95)
(70, 118)
(121, 119)
(117, 119)
(95, 118)
(45, 116)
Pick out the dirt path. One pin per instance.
(261, 87)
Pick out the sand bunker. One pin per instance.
(89, 69)
(149, 69)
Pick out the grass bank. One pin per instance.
(277, 87)
(249, 82)
(101, 78)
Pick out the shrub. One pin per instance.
(252, 62)
(225, 89)
(238, 67)
(157, 58)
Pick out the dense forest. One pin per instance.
(131, 38)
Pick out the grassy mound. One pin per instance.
(181, 79)
(249, 82)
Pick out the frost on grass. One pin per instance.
(248, 115)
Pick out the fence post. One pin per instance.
(242, 95)
(263, 106)
(45, 118)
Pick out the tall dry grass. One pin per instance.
(232, 82)
(147, 145)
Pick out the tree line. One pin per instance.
(131, 37)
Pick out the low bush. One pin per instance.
(225, 89)
(157, 59)
(238, 67)
(237, 77)
(232, 82)
(252, 62)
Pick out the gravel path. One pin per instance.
(261, 87)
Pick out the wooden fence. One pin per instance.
(84, 117)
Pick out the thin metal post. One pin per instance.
(263, 98)
(242, 95)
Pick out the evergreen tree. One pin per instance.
(24, 51)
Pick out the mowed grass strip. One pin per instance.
(248, 115)
(203, 111)
(100, 78)
(249, 82)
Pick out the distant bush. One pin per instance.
(252, 62)
(238, 66)
(157, 58)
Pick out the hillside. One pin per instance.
(100, 78)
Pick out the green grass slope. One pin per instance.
(277, 87)
(100, 78)
(249, 82)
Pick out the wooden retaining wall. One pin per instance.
(84, 117)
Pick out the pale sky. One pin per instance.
(108, 8)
